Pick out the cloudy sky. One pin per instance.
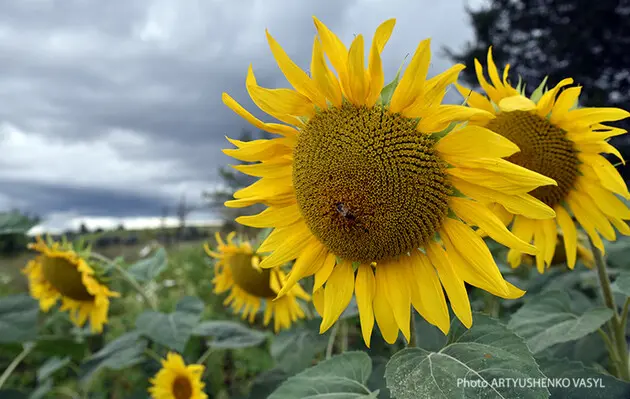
(111, 110)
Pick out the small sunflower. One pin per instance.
(60, 272)
(373, 188)
(565, 143)
(175, 380)
(237, 270)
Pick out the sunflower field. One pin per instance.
(407, 249)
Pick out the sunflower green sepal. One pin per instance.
(388, 90)
(539, 91)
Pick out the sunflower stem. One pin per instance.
(202, 359)
(343, 344)
(153, 355)
(614, 360)
(128, 278)
(413, 338)
(617, 329)
(27, 348)
(331, 340)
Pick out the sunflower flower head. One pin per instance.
(374, 189)
(564, 142)
(176, 380)
(237, 270)
(60, 272)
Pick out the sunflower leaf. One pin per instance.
(469, 366)
(579, 381)
(51, 366)
(622, 283)
(548, 319)
(172, 330)
(341, 377)
(229, 335)
(150, 268)
(18, 318)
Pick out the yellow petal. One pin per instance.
(500, 175)
(337, 294)
(475, 99)
(267, 187)
(324, 272)
(308, 263)
(375, 75)
(283, 104)
(383, 311)
(470, 276)
(258, 150)
(524, 229)
(435, 88)
(522, 204)
(551, 237)
(413, 80)
(275, 168)
(453, 284)
(295, 238)
(493, 93)
(335, 50)
(295, 75)
(474, 142)
(539, 241)
(357, 90)
(596, 167)
(598, 147)
(599, 220)
(606, 201)
(323, 77)
(566, 100)
(493, 73)
(438, 118)
(364, 289)
(428, 296)
(396, 276)
(474, 251)
(272, 217)
(582, 217)
(545, 104)
(569, 234)
(621, 226)
(516, 103)
(268, 127)
(477, 214)
(318, 301)
(594, 115)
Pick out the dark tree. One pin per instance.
(586, 40)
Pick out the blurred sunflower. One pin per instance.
(60, 272)
(237, 270)
(560, 254)
(564, 142)
(175, 380)
(365, 177)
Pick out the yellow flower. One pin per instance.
(61, 273)
(565, 143)
(237, 270)
(175, 380)
(560, 254)
(364, 178)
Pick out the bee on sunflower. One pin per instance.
(374, 189)
(564, 142)
(237, 270)
(176, 380)
(61, 272)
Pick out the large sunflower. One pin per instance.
(60, 272)
(176, 380)
(564, 142)
(372, 189)
(237, 270)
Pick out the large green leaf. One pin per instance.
(622, 283)
(265, 383)
(172, 330)
(18, 318)
(229, 334)
(295, 350)
(573, 380)
(150, 268)
(341, 377)
(471, 366)
(50, 366)
(547, 319)
(125, 351)
(428, 336)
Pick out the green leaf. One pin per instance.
(622, 283)
(41, 390)
(229, 334)
(538, 92)
(481, 355)
(266, 382)
(547, 319)
(377, 382)
(340, 377)
(574, 380)
(12, 394)
(172, 330)
(150, 268)
(50, 366)
(52, 345)
(428, 336)
(18, 318)
(16, 223)
(295, 350)
(125, 351)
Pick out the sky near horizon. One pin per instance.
(112, 110)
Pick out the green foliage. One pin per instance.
(547, 319)
(150, 268)
(229, 335)
(488, 351)
(18, 318)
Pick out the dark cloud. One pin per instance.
(79, 70)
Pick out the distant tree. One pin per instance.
(120, 227)
(232, 181)
(583, 39)
(14, 225)
(183, 210)
(83, 229)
